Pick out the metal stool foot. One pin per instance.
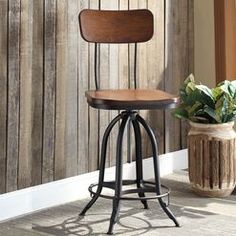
(168, 212)
(145, 204)
(89, 205)
(114, 216)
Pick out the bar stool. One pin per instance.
(132, 26)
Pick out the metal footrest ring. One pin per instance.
(144, 189)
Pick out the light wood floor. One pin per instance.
(198, 216)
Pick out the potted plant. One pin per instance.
(211, 139)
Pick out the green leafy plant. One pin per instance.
(204, 105)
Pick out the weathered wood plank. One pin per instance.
(113, 84)
(104, 84)
(176, 63)
(130, 84)
(232, 172)
(191, 159)
(93, 116)
(190, 63)
(3, 90)
(26, 37)
(61, 72)
(13, 94)
(37, 92)
(215, 163)
(199, 161)
(206, 167)
(82, 104)
(142, 77)
(155, 70)
(124, 78)
(49, 91)
(71, 133)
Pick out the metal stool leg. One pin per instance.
(157, 169)
(102, 164)
(139, 164)
(118, 179)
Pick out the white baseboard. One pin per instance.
(36, 198)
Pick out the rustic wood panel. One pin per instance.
(142, 77)
(37, 92)
(123, 79)
(113, 83)
(178, 48)
(47, 131)
(49, 91)
(3, 91)
(82, 105)
(71, 135)
(93, 115)
(61, 71)
(25, 154)
(104, 63)
(155, 70)
(13, 94)
(134, 4)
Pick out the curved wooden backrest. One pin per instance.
(99, 26)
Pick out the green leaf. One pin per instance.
(180, 113)
(206, 95)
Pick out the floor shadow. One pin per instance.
(88, 225)
(77, 226)
(134, 220)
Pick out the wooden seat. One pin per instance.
(130, 99)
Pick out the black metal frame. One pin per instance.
(142, 186)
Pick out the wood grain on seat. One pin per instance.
(132, 99)
(99, 26)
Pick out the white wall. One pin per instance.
(204, 40)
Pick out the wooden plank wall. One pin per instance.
(47, 131)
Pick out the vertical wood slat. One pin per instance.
(104, 63)
(142, 76)
(71, 133)
(82, 104)
(113, 84)
(130, 84)
(3, 91)
(232, 158)
(191, 159)
(206, 167)
(123, 80)
(155, 70)
(13, 95)
(61, 74)
(133, 4)
(37, 92)
(49, 90)
(93, 116)
(189, 68)
(199, 161)
(215, 163)
(176, 63)
(26, 39)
